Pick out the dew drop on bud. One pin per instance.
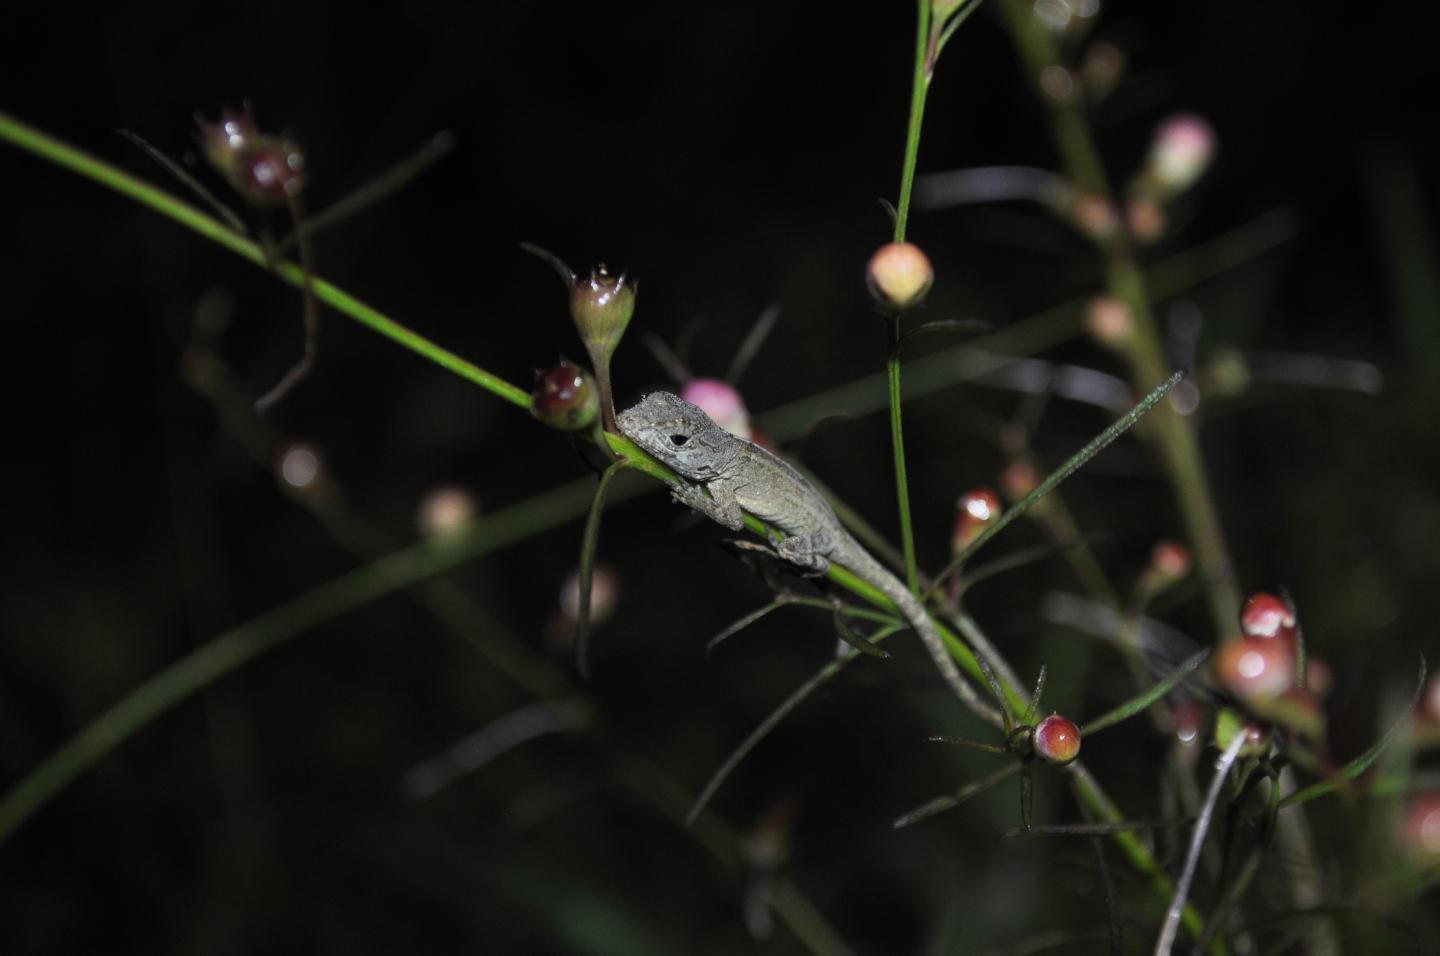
(975, 511)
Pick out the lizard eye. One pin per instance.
(679, 440)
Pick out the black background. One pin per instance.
(729, 155)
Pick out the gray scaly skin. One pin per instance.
(741, 476)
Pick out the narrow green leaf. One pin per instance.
(743, 623)
(1137, 704)
(1361, 763)
(796, 698)
(1033, 710)
(750, 346)
(588, 544)
(232, 219)
(368, 194)
(952, 800)
(1095, 446)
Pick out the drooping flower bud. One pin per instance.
(1056, 740)
(267, 170)
(721, 402)
(601, 306)
(975, 511)
(898, 275)
(565, 397)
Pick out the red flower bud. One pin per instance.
(1056, 740)
(1267, 616)
(565, 397)
(1255, 668)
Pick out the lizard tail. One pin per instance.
(920, 622)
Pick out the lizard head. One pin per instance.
(679, 434)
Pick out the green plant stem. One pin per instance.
(68, 157)
(1174, 434)
(919, 86)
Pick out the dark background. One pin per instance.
(729, 155)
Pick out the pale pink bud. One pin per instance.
(899, 275)
(720, 401)
(604, 594)
(445, 510)
(1108, 320)
(1422, 826)
(1182, 149)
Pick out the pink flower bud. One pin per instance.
(1108, 320)
(1265, 615)
(445, 510)
(1255, 668)
(974, 512)
(1181, 151)
(1170, 560)
(720, 401)
(604, 594)
(1422, 826)
(899, 275)
(1018, 479)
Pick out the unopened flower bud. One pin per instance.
(299, 466)
(1109, 321)
(1170, 560)
(1181, 151)
(1267, 616)
(445, 510)
(721, 402)
(1056, 740)
(1018, 479)
(601, 306)
(899, 275)
(604, 594)
(265, 169)
(1094, 216)
(976, 510)
(1255, 669)
(1102, 68)
(565, 397)
(1422, 827)
(1145, 219)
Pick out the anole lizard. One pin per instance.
(741, 476)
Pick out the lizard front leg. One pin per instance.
(719, 506)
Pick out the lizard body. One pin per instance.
(741, 476)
